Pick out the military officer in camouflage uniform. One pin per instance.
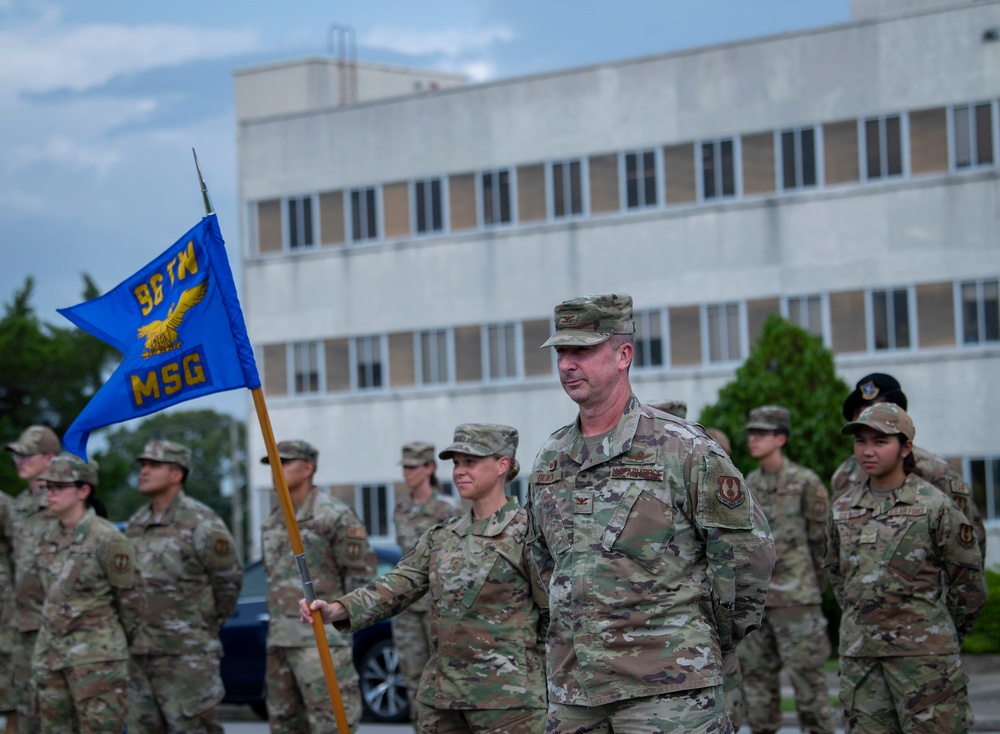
(486, 672)
(32, 453)
(339, 560)
(193, 579)
(882, 388)
(907, 572)
(414, 515)
(93, 603)
(732, 672)
(8, 699)
(793, 632)
(654, 554)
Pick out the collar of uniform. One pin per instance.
(167, 516)
(80, 531)
(903, 494)
(619, 440)
(489, 527)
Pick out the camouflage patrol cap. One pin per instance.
(167, 452)
(582, 322)
(674, 407)
(35, 440)
(876, 386)
(770, 418)
(482, 439)
(883, 417)
(417, 453)
(71, 468)
(297, 449)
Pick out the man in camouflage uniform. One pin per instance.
(882, 388)
(793, 632)
(414, 515)
(906, 570)
(732, 672)
(193, 579)
(93, 605)
(32, 453)
(654, 554)
(8, 699)
(339, 560)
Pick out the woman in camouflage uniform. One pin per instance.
(93, 603)
(486, 671)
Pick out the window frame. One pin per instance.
(518, 357)
(904, 148)
(550, 188)
(511, 172)
(911, 319)
(382, 340)
(706, 335)
(286, 234)
(641, 203)
(953, 142)
(418, 361)
(960, 340)
(991, 512)
(386, 491)
(737, 156)
(445, 213)
(824, 315)
(364, 241)
(292, 354)
(642, 318)
(779, 153)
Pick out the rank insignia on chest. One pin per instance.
(583, 502)
(730, 492)
(966, 535)
(869, 535)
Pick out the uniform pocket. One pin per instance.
(640, 528)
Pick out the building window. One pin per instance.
(518, 488)
(723, 329)
(798, 158)
(980, 312)
(364, 215)
(567, 190)
(501, 351)
(496, 198)
(427, 206)
(890, 314)
(299, 212)
(984, 481)
(718, 169)
(807, 313)
(306, 367)
(368, 358)
(433, 360)
(373, 501)
(972, 135)
(640, 179)
(882, 142)
(648, 339)
(448, 487)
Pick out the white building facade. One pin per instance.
(402, 253)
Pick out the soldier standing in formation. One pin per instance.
(32, 453)
(793, 633)
(340, 560)
(882, 388)
(907, 573)
(732, 672)
(414, 515)
(8, 698)
(486, 672)
(192, 579)
(636, 521)
(93, 603)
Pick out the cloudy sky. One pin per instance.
(101, 102)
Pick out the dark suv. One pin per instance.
(244, 644)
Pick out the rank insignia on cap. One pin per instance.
(221, 547)
(568, 319)
(121, 562)
(869, 391)
(730, 492)
(966, 535)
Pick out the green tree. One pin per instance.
(207, 433)
(47, 373)
(787, 366)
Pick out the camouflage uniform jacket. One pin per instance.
(31, 519)
(906, 571)
(338, 557)
(7, 603)
(655, 556)
(796, 507)
(191, 574)
(412, 520)
(932, 469)
(93, 595)
(487, 623)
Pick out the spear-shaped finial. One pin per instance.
(204, 189)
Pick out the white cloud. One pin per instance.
(451, 42)
(44, 56)
(63, 151)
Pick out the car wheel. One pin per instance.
(383, 689)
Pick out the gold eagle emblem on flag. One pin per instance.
(161, 335)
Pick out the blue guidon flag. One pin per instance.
(179, 326)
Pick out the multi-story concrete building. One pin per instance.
(403, 248)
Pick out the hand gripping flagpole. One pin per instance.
(293, 528)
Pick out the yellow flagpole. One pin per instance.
(288, 511)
